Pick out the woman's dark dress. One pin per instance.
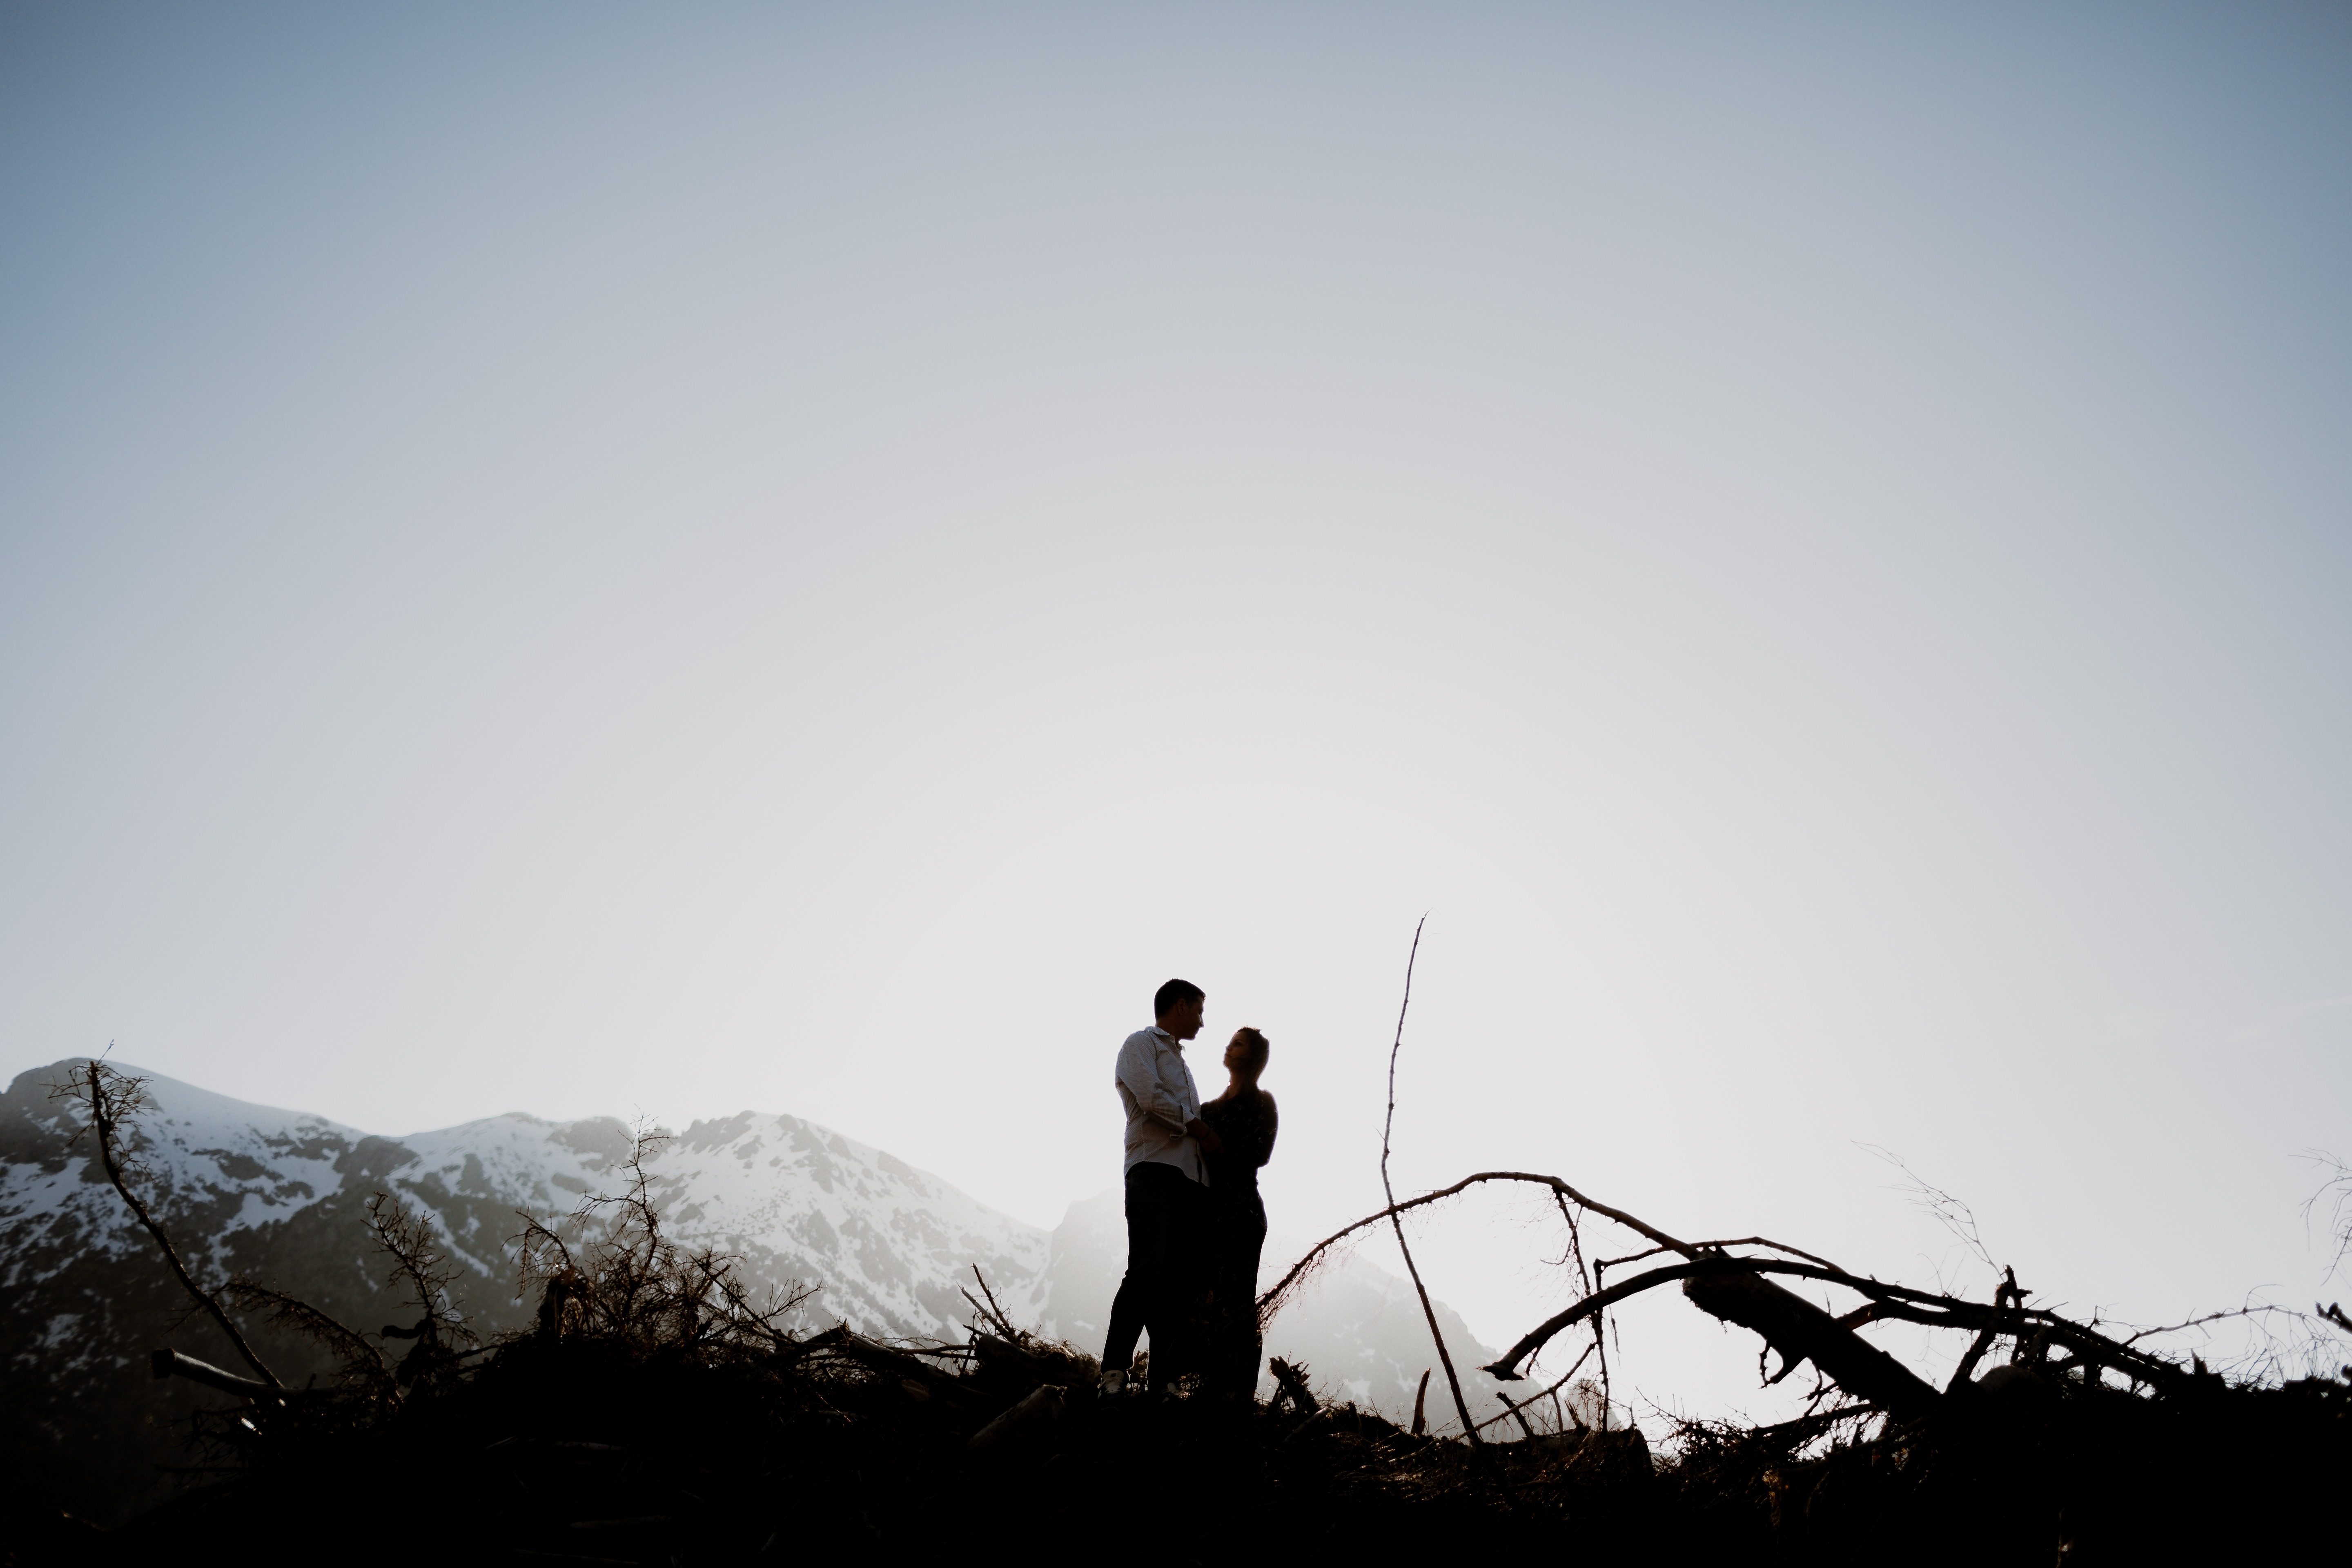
(1247, 1124)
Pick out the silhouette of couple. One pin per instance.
(1195, 1222)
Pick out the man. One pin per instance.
(1167, 1188)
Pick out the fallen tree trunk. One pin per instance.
(880, 1358)
(1036, 1413)
(1866, 1372)
(172, 1364)
(1890, 1301)
(1802, 1331)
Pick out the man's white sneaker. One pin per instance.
(1114, 1382)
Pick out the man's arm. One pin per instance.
(1139, 1072)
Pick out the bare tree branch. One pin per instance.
(407, 1239)
(2007, 1289)
(1922, 1307)
(114, 1100)
(991, 1313)
(2338, 1189)
(1444, 1356)
(620, 1276)
(1585, 1282)
(1558, 1384)
(362, 1363)
(1275, 1299)
(1608, 1263)
(1951, 1213)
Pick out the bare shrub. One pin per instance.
(621, 1279)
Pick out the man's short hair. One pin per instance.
(1175, 993)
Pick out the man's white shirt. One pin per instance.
(1155, 1084)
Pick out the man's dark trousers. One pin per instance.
(1166, 1215)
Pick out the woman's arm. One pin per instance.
(1273, 1125)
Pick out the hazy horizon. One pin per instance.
(595, 562)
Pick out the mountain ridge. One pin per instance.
(279, 1195)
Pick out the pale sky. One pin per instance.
(599, 560)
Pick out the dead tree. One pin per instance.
(620, 1278)
(1924, 1306)
(419, 1266)
(360, 1367)
(1730, 1286)
(113, 1100)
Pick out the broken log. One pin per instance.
(1290, 1382)
(1036, 1413)
(1006, 1359)
(172, 1364)
(1802, 1331)
(896, 1363)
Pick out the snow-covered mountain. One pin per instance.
(234, 1184)
(278, 1194)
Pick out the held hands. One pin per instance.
(1206, 1136)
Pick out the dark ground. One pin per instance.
(589, 1450)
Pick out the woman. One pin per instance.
(1244, 1120)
